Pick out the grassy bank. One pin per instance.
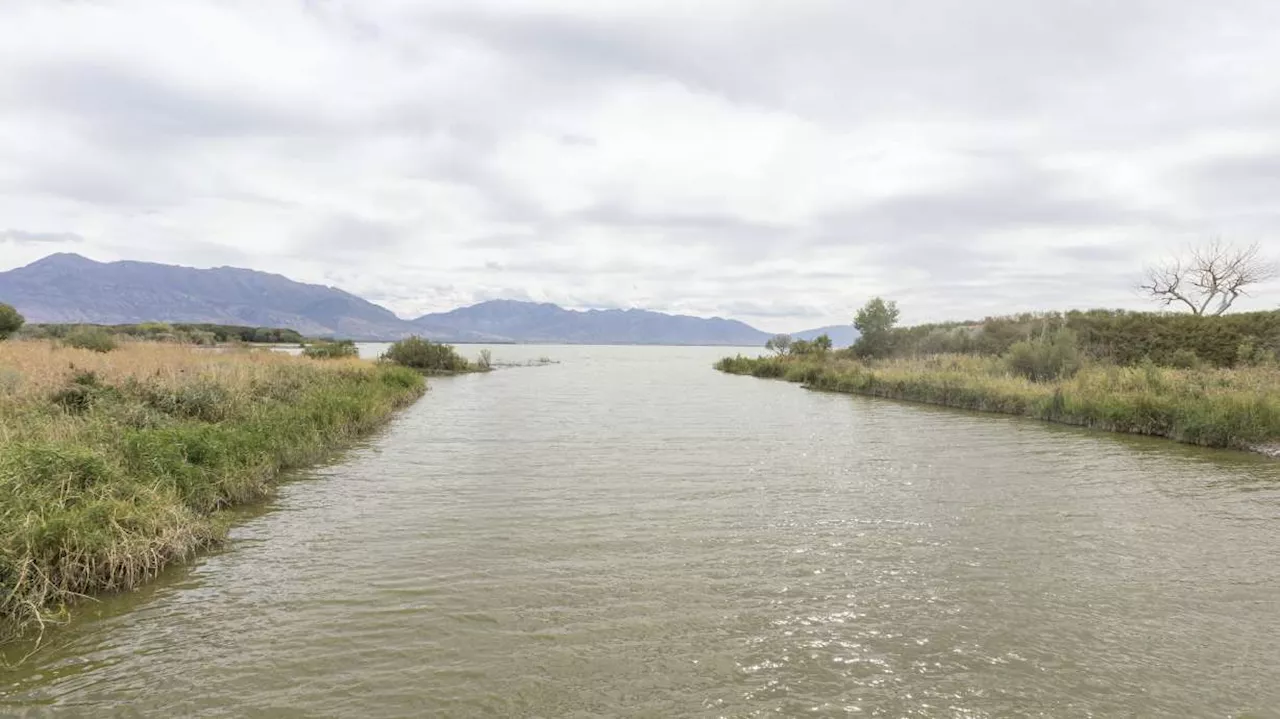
(113, 465)
(1231, 408)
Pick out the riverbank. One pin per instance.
(113, 465)
(1226, 408)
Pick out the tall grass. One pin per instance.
(1232, 408)
(114, 465)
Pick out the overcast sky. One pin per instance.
(775, 161)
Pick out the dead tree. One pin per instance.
(1209, 279)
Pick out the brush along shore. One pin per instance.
(113, 464)
(1236, 408)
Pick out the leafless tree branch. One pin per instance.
(1211, 279)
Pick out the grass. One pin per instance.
(1229, 408)
(113, 465)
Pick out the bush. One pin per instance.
(331, 350)
(486, 360)
(10, 321)
(426, 356)
(1046, 358)
(91, 338)
(1185, 359)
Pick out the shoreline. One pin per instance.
(117, 465)
(1203, 409)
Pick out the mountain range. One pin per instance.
(69, 288)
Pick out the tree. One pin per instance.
(822, 343)
(10, 320)
(778, 343)
(875, 323)
(1209, 279)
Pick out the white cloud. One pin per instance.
(776, 162)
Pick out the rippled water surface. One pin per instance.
(629, 533)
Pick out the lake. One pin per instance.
(630, 533)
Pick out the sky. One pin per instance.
(775, 162)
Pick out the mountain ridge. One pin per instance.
(69, 288)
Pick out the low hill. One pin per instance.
(510, 320)
(65, 288)
(69, 288)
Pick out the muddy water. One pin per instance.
(629, 533)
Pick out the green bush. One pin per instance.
(1115, 336)
(10, 321)
(331, 350)
(91, 338)
(1046, 358)
(191, 333)
(426, 356)
(1185, 359)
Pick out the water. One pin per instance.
(630, 533)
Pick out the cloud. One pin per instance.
(773, 162)
(25, 237)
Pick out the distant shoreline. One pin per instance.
(1219, 408)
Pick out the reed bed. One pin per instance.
(113, 465)
(1230, 408)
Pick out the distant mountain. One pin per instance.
(71, 288)
(68, 288)
(541, 322)
(841, 335)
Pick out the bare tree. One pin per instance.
(779, 343)
(1210, 278)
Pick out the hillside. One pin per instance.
(69, 288)
(541, 322)
(841, 335)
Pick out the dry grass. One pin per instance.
(1237, 408)
(113, 465)
(44, 366)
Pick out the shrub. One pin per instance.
(10, 320)
(1185, 359)
(486, 360)
(1046, 358)
(426, 356)
(82, 393)
(91, 338)
(331, 350)
(202, 399)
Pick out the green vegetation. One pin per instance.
(1214, 407)
(430, 357)
(875, 322)
(1045, 358)
(10, 321)
(182, 332)
(780, 344)
(1113, 336)
(785, 345)
(113, 466)
(1204, 378)
(91, 338)
(342, 349)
